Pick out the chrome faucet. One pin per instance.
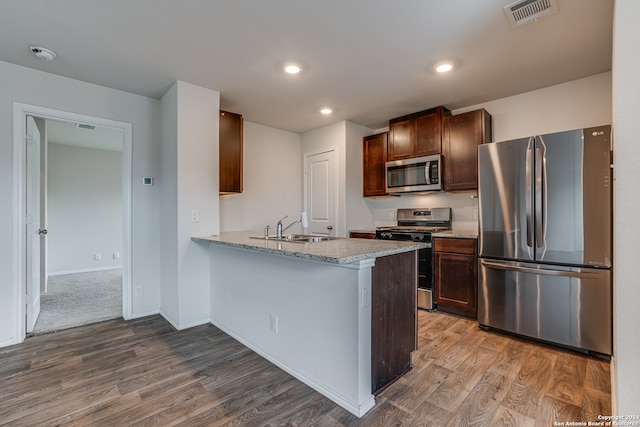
(280, 230)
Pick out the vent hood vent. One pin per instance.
(85, 126)
(527, 11)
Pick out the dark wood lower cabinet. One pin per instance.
(455, 276)
(393, 317)
(362, 235)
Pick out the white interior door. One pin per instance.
(33, 231)
(321, 192)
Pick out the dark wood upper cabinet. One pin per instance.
(418, 134)
(462, 134)
(230, 153)
(374, 152)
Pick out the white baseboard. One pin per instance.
(89, 270)
(356, 409)
(168, 318)
(145, 314)
(9, 342)
(181, 326)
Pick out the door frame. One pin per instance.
(20, 113)
(336, 196)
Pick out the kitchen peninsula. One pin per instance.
(339, 315)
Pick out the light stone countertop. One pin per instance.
(338, 251)
(460, 234)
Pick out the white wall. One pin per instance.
(346, 138)
(84, 208)
(272, 182)
(357, 212)
(626, 128)
(577, 104)
(573, 105)
(168, 184)
(25, 85)
(190, 183)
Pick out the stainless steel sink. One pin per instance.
(297, 238)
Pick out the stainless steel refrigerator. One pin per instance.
(545, 245)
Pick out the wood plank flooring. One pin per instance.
(145, 373)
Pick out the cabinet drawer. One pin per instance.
(459, 246)
(358, 235)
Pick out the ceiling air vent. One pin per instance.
(527, 11)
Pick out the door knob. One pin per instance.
(42, 231)
(329, 227)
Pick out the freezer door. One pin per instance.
(568, 306)
(572, 199)
(505, 192)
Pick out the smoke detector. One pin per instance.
(524, 12)
(43, 53)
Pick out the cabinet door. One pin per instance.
(374, 157)
(455, 276)
(393, 317)
(461, 137)
(427, 135)
(230, 139)
(400, 139)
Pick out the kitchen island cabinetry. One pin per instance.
(455, 276)
(417, 134)
(324, 312)
(393, 323)
(462, 133)
(230, 140)
(374, 153)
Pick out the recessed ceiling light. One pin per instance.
(326, 111)
(292, 69)
(43, 53)
(444, 67)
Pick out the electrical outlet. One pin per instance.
(475, 213)
(138, 291)
(97, 257)
(116, 255)
(273, 323)
(195, 215)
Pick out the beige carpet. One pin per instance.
(79, 299)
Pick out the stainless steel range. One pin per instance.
(417, 224)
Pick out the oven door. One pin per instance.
(425, 278)
(425, 263)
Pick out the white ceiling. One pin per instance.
(371, 60)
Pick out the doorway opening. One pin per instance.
(73, 229)
(81, 213)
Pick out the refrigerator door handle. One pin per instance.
(507, 267)
(528, 191)
(539, 168)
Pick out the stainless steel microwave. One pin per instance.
(420, 174)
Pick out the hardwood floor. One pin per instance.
(144, 372)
